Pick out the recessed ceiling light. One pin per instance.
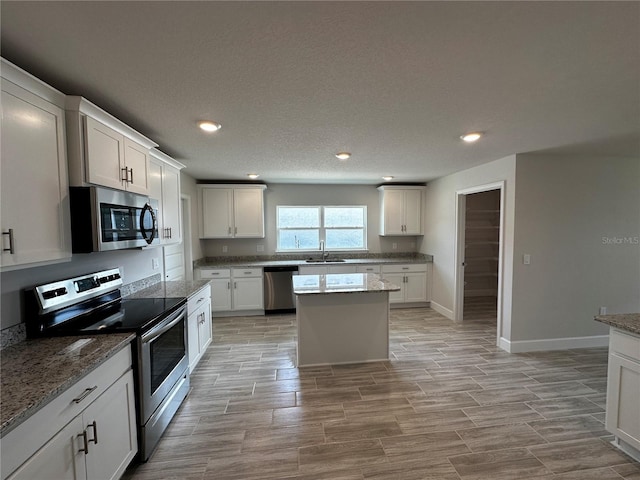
(343, 155)
(471, 137)
(252, 176)
(208, 126)
(387, 178)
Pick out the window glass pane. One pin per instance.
(345, 238)
(298, 217)
(343, 217)
(299, 239)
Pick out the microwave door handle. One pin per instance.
(156, 332)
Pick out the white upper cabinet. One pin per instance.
(104, 151)
(164, 186)
(35, 228)
(401, 210)
(231, 211)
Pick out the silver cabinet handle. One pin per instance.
(85, 394)
(235, 285)
(228, 285)
(170, 233)
(95, 432)
(235, 230)
(229, 231)
(201, 299)
(85, 442)
(10, 234)
(126, 174)
(131, 170)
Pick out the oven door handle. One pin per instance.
(157, 331)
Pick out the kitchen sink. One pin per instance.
(328, 260)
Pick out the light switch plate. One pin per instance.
(526, 259)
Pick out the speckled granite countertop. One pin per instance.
(341, 283)
(34, 372)
(173, 289)
(629, 322)
(247, 262)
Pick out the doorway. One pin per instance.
(178, 264)
(479, 255)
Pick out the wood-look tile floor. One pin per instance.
(449, 405)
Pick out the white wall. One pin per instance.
(188, 187)
(566, 209)
(286, 194)
(440, 230)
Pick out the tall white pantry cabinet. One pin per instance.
(34, 182)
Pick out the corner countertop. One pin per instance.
(267, 261)
(341, 283)
(36, 371)
(171, 289)
(629, 322)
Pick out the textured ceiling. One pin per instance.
(395, 83)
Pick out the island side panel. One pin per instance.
(343, 328)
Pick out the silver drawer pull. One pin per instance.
(10, 234)
(248, 273)
(85, 394)
(200, 299)
(95, 432)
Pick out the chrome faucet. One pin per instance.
(325, 254)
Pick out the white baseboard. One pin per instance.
(521, 346)
(442, 310)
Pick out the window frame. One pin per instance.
(322, 229)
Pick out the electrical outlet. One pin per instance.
(155, 263)
(225, 249)
(394, 245)
(603, 310)
(526, 259)
(260, 248)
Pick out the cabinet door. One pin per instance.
(217, 211)
(33, 160)
(221, 294)
(193, 344)
(368, 269)
(247, 294)
(136, 159)
(171, 205)
(342, 269)
(412, 212)
(248, 213)
(396, 279)
(415, 287)
(104, 152)
(113, 441)
(393, 212)
(623, 407)
(205, 328)
(59, 458)
(155, 190)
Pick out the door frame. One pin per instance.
(187, 250)
(458, 303)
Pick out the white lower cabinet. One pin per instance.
(199, 332)
(235, 289)
(413, 280)
(88, 432)
(623, 388)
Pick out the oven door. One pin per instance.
(162, 361)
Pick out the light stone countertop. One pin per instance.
(36, 371)
(171, 289)
(341, 283)
(629, 322)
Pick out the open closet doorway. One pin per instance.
(479, 255)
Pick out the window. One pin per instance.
(303, 228)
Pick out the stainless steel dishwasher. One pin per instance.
(278, 289)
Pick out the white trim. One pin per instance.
(155, 153)
(14, 74)
(458, 283)
(442, 310)
(521, 346)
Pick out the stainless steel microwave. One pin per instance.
(104, 219)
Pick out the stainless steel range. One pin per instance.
(92, 304)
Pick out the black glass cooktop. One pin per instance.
(108, 315)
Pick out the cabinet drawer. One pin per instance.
(624, 344)
(206, 273)
(201, 297)
(247, 272)
(412, 267)
(368, 268)
(22, 442)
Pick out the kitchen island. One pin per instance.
(623, 381)
(342, 318)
